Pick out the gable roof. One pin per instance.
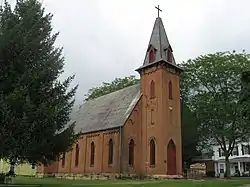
(106, 112)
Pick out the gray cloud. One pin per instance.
(107, 39)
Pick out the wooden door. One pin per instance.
(171, 158)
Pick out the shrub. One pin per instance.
(2, 178)
(210, 173)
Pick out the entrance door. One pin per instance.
(171, 158)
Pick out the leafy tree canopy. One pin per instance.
(212, 87)
(245, 94)
(190, 135)
(35, 105)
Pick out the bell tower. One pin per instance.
(161, 118)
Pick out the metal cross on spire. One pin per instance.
(159, 10)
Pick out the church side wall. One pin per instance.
(132, 130)
(52, 168)
(101, 144)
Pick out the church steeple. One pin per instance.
(159, 48)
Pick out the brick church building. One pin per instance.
(134, 130)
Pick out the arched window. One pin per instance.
(110, 161)
(151, 56)
(77, 156)
(170, 91)
(169, 55)
(92, 154)
(131, 152)
(152, 152)
(152, 89)
(63, 159)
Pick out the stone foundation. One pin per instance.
(39, 175)
(107, 176)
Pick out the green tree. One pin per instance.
(190, 135)
(245, 94)
(35, 105)
(106, 88)
(213, 86)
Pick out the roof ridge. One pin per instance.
(117, 91)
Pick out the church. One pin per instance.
(135, 130)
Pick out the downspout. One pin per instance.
(146, 134)
(70, 162)
(182, 162)
(84, 169)
(102, 152)
(120, 151)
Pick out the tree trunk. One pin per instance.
(12, 167)
(228, 173)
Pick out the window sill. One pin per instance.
(91, 166)
(152, 166)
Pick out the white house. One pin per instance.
(239, 159)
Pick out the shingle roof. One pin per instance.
(106, 112)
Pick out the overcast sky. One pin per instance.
(105, 39)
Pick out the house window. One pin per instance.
(221, 152)
(63, 159)
(169, 57)
(235, 151)
(110, 158)
(152, 152)
(170, 91)
(131, 147)
(152, 89)
(221, 168)
(245, 149)
(151, 56)
(77, 156)
(92, 154)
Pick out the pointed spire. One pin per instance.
(159, 48)
(159, 43)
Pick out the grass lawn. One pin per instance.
(49, 182)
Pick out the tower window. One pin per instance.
(151, 56)
(152, 89)
(170, 91)
(169, 57)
